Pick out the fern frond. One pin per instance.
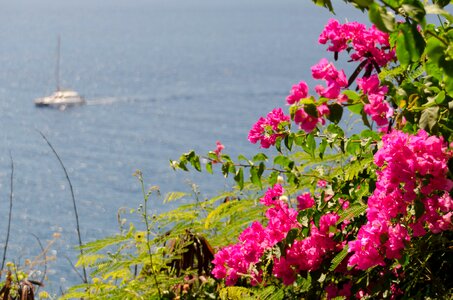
(271, 293)
(419, 71)
(98, 245)
(173, 196)
(336, 261)
(235, 293)
(389, 74)
(352, 212)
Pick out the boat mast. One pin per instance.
(57, 70)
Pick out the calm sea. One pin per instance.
(161, 77)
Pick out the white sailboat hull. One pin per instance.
(61, 99)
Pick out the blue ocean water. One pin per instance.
(161, 77)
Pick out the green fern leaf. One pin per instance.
(354, 211)
(172, 196)
(336, 261)
(235, 293)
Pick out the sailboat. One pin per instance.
(61, 98)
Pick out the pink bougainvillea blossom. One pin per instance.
(336, 80)
(412, 168)
(370, 45)
(267, 130)
(307, 254)
(233, 261)
(298, 91)
(379, 109)
(308, 122)
(218, 152)
(305, 201)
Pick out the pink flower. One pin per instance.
(298, 91)
(268, 129)
(334, 291)
(282, 269)
(234, 261)
(272, 195)
(218, 152)
(326, 222)
(369, 45)
(335, 79)
(305, 201)
(321, 183)
(334, 33)
(411, 168)
(308, 122)
(379, 109)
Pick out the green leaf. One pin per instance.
(182, 165)
(259, 157)
(282, 160)
(353, 211)
(435, 49)
(336, 261)
(273, 177)
(356, 108)
(172, 196)
(409, 44)
(225, 169)
(415, 11)
(311, 110)
(440, 98)
(209, 167)
(336, 112)
(239, 178)
(289, 139)
(255, 178)
(354, 96)
(353, 145)
(383, 20)
(449, 86)
(310, 145)
(243, 158)
(195, 162)
(363, 3)
(334, 132)
(419, 208)
(292, 235)
(428, 118)
(322, 148)
(325, 3)
(365, 120)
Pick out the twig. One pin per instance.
(73, 267)
(43, 252)
(10, 212)
(85, 280)
(139, 175)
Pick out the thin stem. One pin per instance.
(145, 216)
(85, 280)
(73, 267)
(10, 211)
(43, 251)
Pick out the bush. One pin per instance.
(343, 215)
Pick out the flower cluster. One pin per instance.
(298, 92)
(307, 254)
(240, 259)
(370, 45)
(335, 80)
(412, 176)
(379, 109)
(218, 152)
(243, 258)
(268, 129)
(306, 121)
